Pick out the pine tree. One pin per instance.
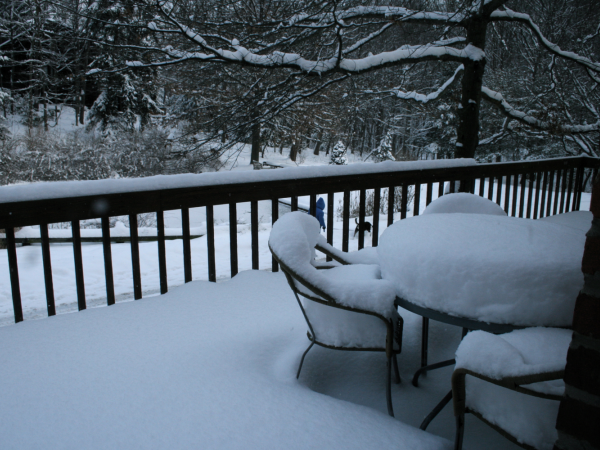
(384, 151)
(338, 155)
(128, 94)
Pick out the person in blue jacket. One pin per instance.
(321, 212)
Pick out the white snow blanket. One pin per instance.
(119, 230)
(580, 220)
(61, 189)
(293, 239)
(463, 203)
(486, 267)
(519, 353)
(522, 352)
(206, 366)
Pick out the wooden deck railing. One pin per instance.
(555, 186)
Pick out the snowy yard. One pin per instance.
(213, 366)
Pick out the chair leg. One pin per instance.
(460, 431)
(302, 360)
(396, 371)
(388, 388)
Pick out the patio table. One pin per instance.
(482, 272)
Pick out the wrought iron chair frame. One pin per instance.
(512, 383)
(394, 334)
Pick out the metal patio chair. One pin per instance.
(514, 383)
(345, 307)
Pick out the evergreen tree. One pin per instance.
(338, 155)
(384, 151)
(128, 94)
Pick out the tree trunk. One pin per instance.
(255, 155)
(468, 126)
(318, 145)
(295, 147)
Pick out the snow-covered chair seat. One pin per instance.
(346, 307)
(514, 384)
(465, 203)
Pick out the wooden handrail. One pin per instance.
(557, 183)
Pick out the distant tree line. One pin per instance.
(434, 79)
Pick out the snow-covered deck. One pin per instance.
(212, 366)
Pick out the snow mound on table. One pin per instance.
(463, 203)
(293, 239)
(580, 220)
(485, 267)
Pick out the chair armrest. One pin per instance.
(513, 383)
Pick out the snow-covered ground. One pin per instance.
(213, 366)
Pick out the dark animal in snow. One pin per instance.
(365, 226)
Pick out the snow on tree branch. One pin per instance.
(498, 100)
(422, 98)
(512, 16)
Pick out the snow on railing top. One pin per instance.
(66, 189)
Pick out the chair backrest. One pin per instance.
(292, 242)
(357, 287)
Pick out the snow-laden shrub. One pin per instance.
(384, 151)
(338, 155)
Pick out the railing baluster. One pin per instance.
(135, 257)
(522, 196)
(550, 189)
(233, 250)
(472, 186)
(514, 195)
(274, 217)
(47, 263)
(452, 186)
(570, 190)
(417, 200)
(210, 243)
(563, 191)
(429, 194)
(108, 269)
(499, 191)
(404, 201)
(490, 188)
(13, 268)
(361, 218)
(557, 192)
(441, 185)
(330, 218)
(538, 182)
(346, 221)
(391, 192)
(294, 205)
(530, 195)
(579, 188)
(187, 250)
(376, 208)
(481, 186)
(78, 259)
(543, 200)
(162, 252)
(507, 194)
(312, 210)
(254, 232)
